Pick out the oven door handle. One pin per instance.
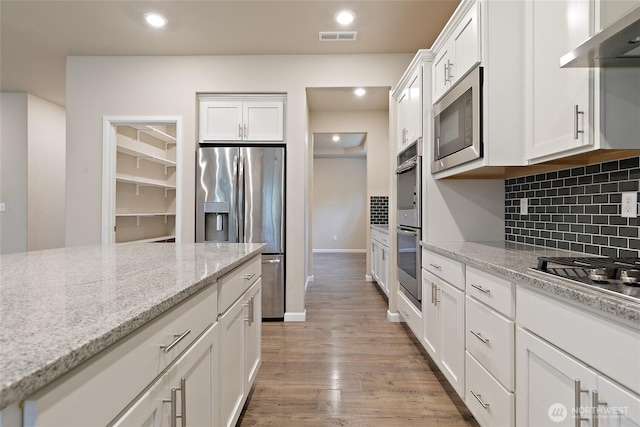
(408, 165)
(407, 233)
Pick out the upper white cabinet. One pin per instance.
(250, 118)
(575, 110)
(487, 34)
(409, 96)
(459, 53)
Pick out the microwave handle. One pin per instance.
(409, 164)
(407, 233)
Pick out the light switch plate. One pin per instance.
(524, 206)
(2, 207)
(630, 204)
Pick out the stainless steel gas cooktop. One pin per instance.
(620, 276)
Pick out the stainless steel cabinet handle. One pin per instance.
(576, 122)
(174, 404)
(595, 402)
(436, 301)
(481, 289)
(479, 336)
(449, 71)
(248, 276)
(271, 261)
(578, 403)
(239, 131)
(178, 338)
(246, 135)
(446, 79)
(479, 399)
(436, 266)
(433, 288)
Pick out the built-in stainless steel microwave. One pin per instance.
(458, 124)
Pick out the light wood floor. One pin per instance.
(347, 365)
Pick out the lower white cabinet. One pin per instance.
(443, 331)
(186, 392)
(240, 335)
(489, 402)
(380, 259)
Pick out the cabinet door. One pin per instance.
(414, 125)
(551, 387)
(149, 410)
(221, 121)
(450, 303)
(403, 114)
(431, 328)
(466, 42)
(253, 335)
(374, 261)
(616, 406)
(384, 269)
(557, 99)
(232, 363)
(263, 121)
(192, 378)
(441, 71)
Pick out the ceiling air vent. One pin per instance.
(337, 36)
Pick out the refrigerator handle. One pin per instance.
(233, 227)
(240, 208)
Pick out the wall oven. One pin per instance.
(457, 123)
(409, 213)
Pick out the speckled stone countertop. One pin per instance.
(513, 260)
(60, 307)
(382, 227)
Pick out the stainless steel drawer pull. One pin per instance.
(248, 276)
(481, 289)
(174, 404)
(179, 337)
(479, 336)
(576, 123)
(436, 266)
(595, 402)
(479, 399)
(578, 402)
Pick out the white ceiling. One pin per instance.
(37, 36)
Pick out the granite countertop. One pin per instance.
(382, 227)
(60, 307)
(513, 261)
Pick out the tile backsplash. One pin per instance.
(577, 209)
(379, 210)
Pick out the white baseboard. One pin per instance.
(295, 317)
(339, 251)
(393, 317)
(368, 278)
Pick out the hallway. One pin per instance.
(347, 365)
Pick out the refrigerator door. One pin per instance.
(261, 197)
(216, 199)
(272, 286)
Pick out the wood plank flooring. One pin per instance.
(347, 365)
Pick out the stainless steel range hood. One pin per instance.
(617, 45)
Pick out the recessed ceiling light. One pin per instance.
(335, 138)
(345, 17)
(155, 20)
(360, 91)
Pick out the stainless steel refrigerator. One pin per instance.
(240, 198)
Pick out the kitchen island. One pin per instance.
(62, 308)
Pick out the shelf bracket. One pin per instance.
(138, 221)
(166, 192)
(165, 218)
(166, 169)
(166, 146)
(137, 135)
(138, 162)
(138, 190)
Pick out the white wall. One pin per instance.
(32, 153)
(340, 204)
(46, 184)
(13, 172)
(120, 86)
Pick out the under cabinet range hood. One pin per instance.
(617, 45)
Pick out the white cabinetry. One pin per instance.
(380, 258)
(250, 118)
(443, 313)
(459, 53)
(565, 367)
(574, 110)
(409, 96)
(145, 199)
(240, 334)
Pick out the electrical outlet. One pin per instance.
(335, 237)
(3, 207)
(630, 204)
(524, 206)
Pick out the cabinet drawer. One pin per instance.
(496, 292)
(236, 283)
(490, 339)
(98, 389)
(586, 336)
(411, 315)
(380, 236)
(446, 268)
(488, 401)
